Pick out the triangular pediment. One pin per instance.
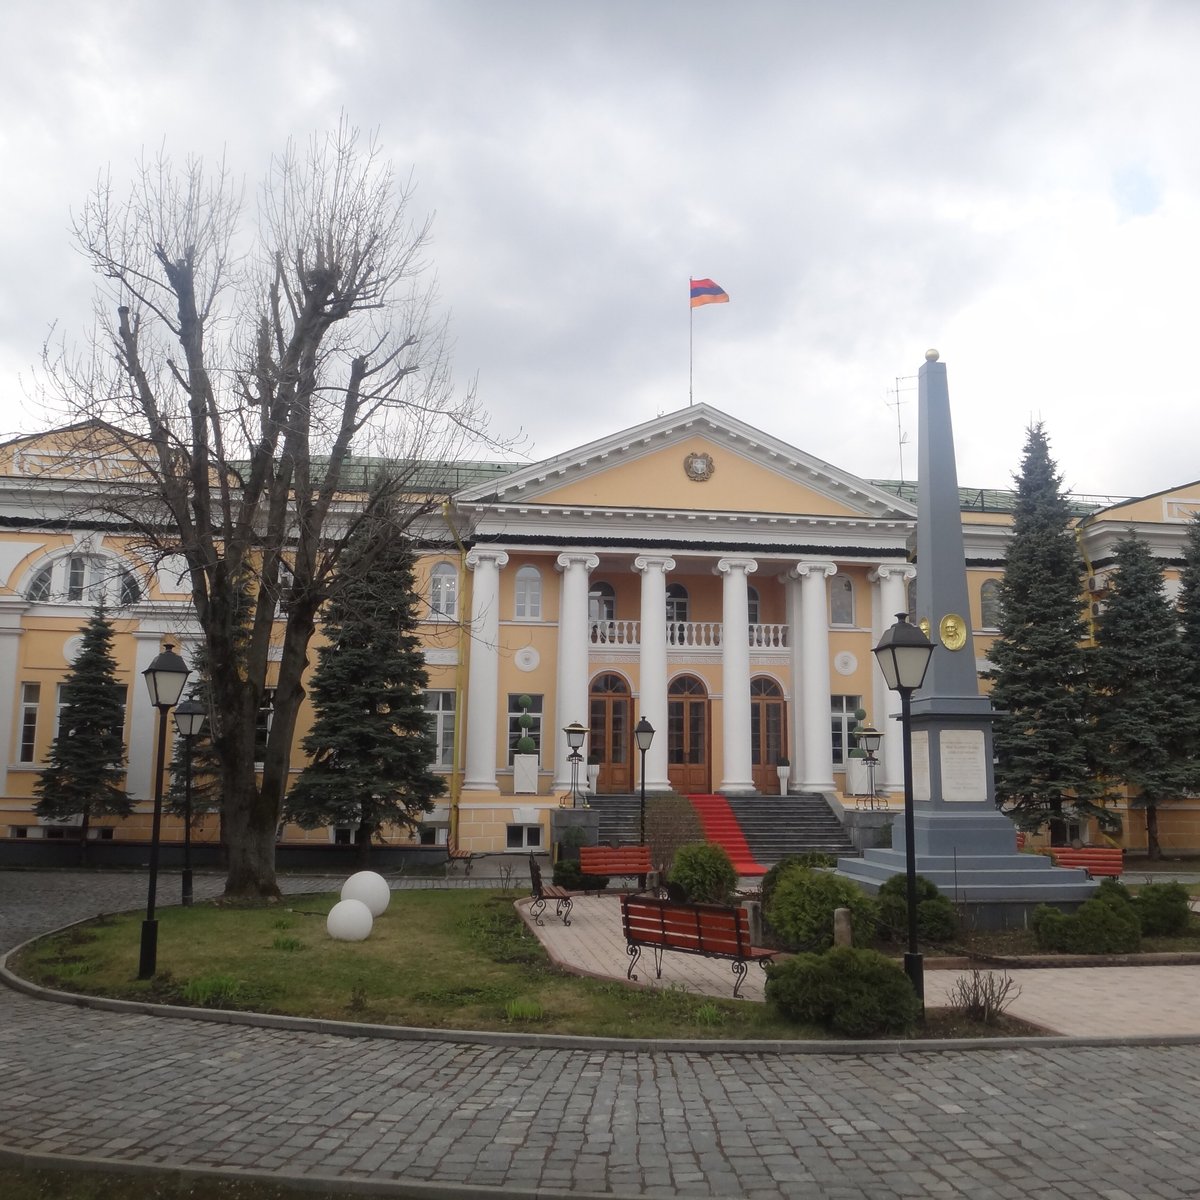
(698, 459)
(90, 450)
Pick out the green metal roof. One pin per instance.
(993, 500)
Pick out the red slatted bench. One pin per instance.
(615, 861)
(710, 930)
(542, 892)
(1095, 860)
(454, 855)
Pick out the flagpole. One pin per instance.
(691, 319)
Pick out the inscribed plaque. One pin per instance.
(964, 769)
(920, 766)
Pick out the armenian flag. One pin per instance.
(704, 291)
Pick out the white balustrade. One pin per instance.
(685, 633)
(615, 633)
(768, 636)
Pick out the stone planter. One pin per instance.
(858, 778)
(783, 773)
(562, 819)
(593, 774)
(525, 774)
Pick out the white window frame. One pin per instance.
(841, 584)
(530, 838)
(527, 601)
(82, 578)
(443, 592)
(31, 699)
(989, 587)
(442, 717)
(841, 718)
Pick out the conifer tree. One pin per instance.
(1139, 678)
(1038, 679)
(370, 744)
(1189, 644)
(86, 771)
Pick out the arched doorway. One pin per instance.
(688, 767)
(768, 733)
(608, 745)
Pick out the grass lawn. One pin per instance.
(18, 1183)
(435, 959)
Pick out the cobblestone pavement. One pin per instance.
(1051, 1123)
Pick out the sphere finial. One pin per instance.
(932, 356)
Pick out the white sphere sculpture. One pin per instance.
(349, 921)
(369, 887)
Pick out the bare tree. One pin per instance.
(243, 361)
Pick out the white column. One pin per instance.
(483, 674)
(891, 598)
(796, 709)
(735, 670)
(814, 675)
(652, 665)
(10, 647)
(571, 702)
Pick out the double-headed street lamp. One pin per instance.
(903, 654)
(165, 678)
(189, 720)
(575, 735)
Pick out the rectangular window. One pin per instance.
(30, 696)
(58, 711)
(842, 713)
(524, 837)
(123, 697)
(528, 605)
(514, 723)
(443, 591)
(434, 835)
(76, 578)
(439, 710)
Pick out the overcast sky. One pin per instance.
(1016, 184)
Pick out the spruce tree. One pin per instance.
(1038, 680)
(370, 745)
(86, 771)
(1139, 677)
(1189, 644)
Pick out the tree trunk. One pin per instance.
(1153, 849)
(83, 832)
(363, 844)
(1058, 825)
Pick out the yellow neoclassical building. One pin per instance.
(691, 571)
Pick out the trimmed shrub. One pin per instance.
(856, 993)
(1113, 891)
(569, 874)
(1163, 909)
(704, 872)
(936, 919)
(769, 881)
(802, 905)
(1098, 927)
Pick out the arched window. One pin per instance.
(753, 606)
(602, 602)
(911, 594)
(443, 591)
(841, 600)
(84, 579)
(989, 604)
(528, 605)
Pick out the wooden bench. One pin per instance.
(710, 930)
(1095, 860)
(615, 861)
(542, 892)
(454, 855)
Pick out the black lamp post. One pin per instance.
(165, 678)
(189, 720)
(868, 738)
(903, 655)
(575, 735)
(643, 734)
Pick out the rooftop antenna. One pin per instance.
(901, 436)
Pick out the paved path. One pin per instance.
(1053, 1123)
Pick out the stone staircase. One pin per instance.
(773, 826)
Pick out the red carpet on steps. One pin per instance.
(720, 826)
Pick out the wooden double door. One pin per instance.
(689, 735)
